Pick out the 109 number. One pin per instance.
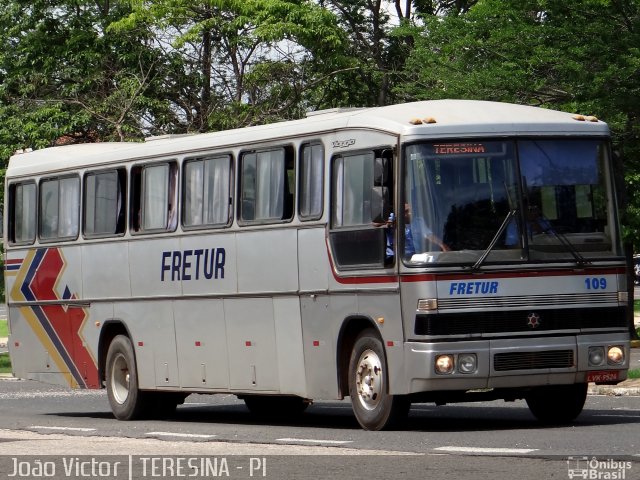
(595, 283)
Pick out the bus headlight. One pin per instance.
(596, 356)
(467, 362)
(615, 355)
(444, 364)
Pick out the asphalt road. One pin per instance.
(494, 440)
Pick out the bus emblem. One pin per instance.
(533, 320)
(344, 143)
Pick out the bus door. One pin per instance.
(362, 243)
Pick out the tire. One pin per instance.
(275, 407)
(126, 400)
(372, 405)
(557, 404)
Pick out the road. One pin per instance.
(494, 440)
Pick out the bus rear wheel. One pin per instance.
(372, 405)
(126, 400)
(557, 404)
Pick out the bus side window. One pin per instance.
(153, 197)
(59, 208)
(266, 185)
(206, 191)
(311, 182)
(22, 213)
(104, 203)
(382, 187)
(135, 209)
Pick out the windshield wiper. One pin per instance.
(494, 240)
(564, 241)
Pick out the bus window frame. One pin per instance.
(12, 213)
(183, 179)
(289, 158)
(122, 174)
(136, 198)
(373, 229)
(58, 239)
(301, 193)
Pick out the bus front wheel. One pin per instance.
(557, 404)
(126, 400)
(372, 405)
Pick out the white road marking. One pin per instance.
(48, 395)
(312, 440)
(615, 415)
(64, 429)
(180, 435)
(490, 450)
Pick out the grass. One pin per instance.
(634, 373)
(5, 363)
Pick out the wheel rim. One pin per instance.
(120, 379)
(369, 379)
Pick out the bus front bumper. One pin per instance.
(503, 363)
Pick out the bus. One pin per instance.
(437, 251)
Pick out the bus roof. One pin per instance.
(435, 118)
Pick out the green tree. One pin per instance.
(65, 78)
(242, 61)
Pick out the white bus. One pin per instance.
(438, 251)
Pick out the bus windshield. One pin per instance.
(501, 201)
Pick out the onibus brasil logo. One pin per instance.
(594, 469)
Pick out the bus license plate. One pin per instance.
(605, 376)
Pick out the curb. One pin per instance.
(614, 391)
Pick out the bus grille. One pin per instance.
(528, 301)
(533, 360)
(518, 321)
